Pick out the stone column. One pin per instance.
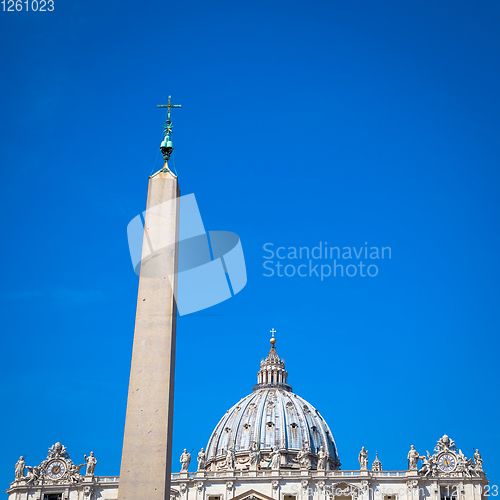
(304, 489)
(435, 490)
(200, 490)
(229, 490)
(275, 487)
(364, 491)
(477, 490)
(320, 490)
(147, 443)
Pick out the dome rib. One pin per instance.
(250, 434)
(295, 444)
(284, 424)
(222, 425)
(263, 420)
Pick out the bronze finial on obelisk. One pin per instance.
(167, 146)
(147, 443)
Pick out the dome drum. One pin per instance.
(284, 387)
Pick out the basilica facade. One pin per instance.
(271, 445)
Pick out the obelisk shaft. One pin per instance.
(147, 443)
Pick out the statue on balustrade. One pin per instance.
(202, 457)
(254, 456)
(322, 458)
(275, 458)
(413, 458)
(20, 466)
(185, 460)
(363, 459)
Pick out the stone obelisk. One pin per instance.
(147, 442)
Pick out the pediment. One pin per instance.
(252, 494)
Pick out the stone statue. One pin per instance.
(254, 455)
(91, 463)
(74, 472)
(57, 450)
(185, 460)
(303, 457)
(445, 444)
(465, 465)
(202, 457)
(20, 465)
(428, 465)
(322, 458)
(462, 464)
(230, 459)
(413, 458)
(275, 458)
(477, 459)
(33, 475)
(363, 459)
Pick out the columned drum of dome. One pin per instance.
(272, 371)
(271, 416)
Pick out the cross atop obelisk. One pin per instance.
(167, 146)
(168, 106)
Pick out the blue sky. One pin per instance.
(345, 122)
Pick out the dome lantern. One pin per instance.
(272, 371)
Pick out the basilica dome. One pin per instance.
(271, 416)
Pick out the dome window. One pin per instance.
(246, 427)
(293, 425)
(314, 428)
(228, 429)
(289, 404)
(270, 425)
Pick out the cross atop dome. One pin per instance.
(272, 371)
(273, 340)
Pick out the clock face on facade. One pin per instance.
(447, 462)
(56, 469)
